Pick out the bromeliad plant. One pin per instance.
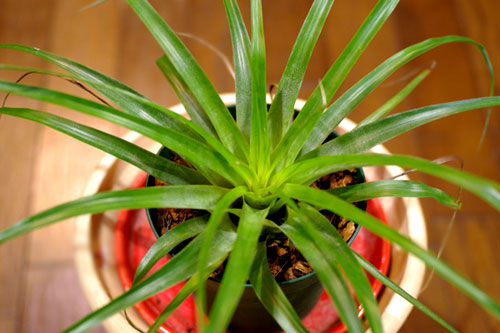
(261, 158)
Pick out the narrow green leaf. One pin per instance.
(242, 68)
(185, 95)
(270, 294)
(366, 137)
(187, 290)
(269, 226)
(259, 141)
(393, 286)
(190, 128)
(161, 134)
(352, 97)
(301, 128)
(325, 200)
(178, 269)
(337, 251)
(193, 76)
(392, 188)
(280, 113)
(174, 196)
(107, 86)
(187, 127)
(219, 214)
(197, 132)
(195, 151)
(329, 274)
(320, 166)
(167, 242)
(237, 269)
(388, 106)
(160, 167)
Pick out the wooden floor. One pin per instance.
(39, 289)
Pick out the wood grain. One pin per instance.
(41, 168)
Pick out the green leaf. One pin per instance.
(174, 196)
(280, 113)
(193, 76)
(186, 126)
(320, 166)
(195, 151)
(352, 97)
(329, 274)
(269, 226)
(327, 201)
(392, 188)
(219, 214)
(178, 269)
(185, 95)
(108, 87)
(388, 106)
(366, 137)
(242, 68)
(187, 290)
(167, 242)
(160, 167)
(198, 115)
(259, 141)
(393, 286)
(237, 269)
(301, 128)
(338, 252)
(270, 294)
(175, 140)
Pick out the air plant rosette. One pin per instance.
(288, 267)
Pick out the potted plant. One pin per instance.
(263, 159)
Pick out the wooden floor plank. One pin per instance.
(14, 204)
(18, 147)
(52, 287)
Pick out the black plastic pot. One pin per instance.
(250, 315)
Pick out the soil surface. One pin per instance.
(285, 260)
